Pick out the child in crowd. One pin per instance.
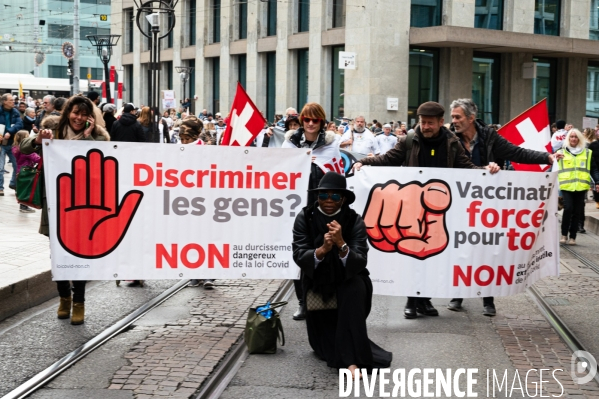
(23, 160)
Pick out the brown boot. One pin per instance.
(78, 313)
(64, 310)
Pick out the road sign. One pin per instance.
(89, 75)
(103, 17)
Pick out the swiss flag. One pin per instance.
(530, 130)
(246, 122)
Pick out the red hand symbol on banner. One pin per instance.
(90, 223)
(409, 219)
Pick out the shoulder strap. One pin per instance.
(409, 141)
(281, 332)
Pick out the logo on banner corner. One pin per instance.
(90, 221)
(409, 218)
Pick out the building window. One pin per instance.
(338, 13)
(90, 30)
(168, 65)
(423, 83)
(593, 91)
(192, 22)
(128, 30)
(547, 14)
(97, 73)
(485, 87)
(243, 20)
(425, 13)
(488, 14)
(271, 79)
(338, 85)
(242, 61)
(56, 31)
(128, 87)
(215, 85)
(594, 22)
(192, 84)
(271, 18)
(57, 71)
(302, 78)
(216, 21)
(303, 24)
(544, 84)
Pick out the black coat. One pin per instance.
(127, 128)
(303, 246)
(497, 149)
(27, 124)
(109, 119)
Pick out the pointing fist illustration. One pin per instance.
(409, 218)
(91, 223)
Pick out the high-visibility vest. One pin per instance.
(574, 172)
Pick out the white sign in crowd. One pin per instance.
(149, 211)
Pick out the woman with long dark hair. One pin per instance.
(75, 123)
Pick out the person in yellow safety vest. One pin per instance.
(575, 170)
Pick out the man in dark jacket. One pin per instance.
(432, 145)
(11, 119)
(482, 145)
(128, 128)
(48, 104)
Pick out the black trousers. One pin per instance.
(64, 290)
(573, 201)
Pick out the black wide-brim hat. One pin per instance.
(333, 181)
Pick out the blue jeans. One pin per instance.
(7, 149)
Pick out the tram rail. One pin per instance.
(227, 369)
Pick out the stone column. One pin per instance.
(458, 13)
(140, 74)
(227, 89)
(575, 19)
(285, 66)
(515, 93)
(455, 75)
(519, 16)
(255, 10)
(179, 31)
(571, 90)
(203, 16)
(319, 79)
(382, 53)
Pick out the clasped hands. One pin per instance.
(333, 237)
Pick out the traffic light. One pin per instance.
(70, 68)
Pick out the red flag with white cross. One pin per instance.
(530, 130)
(245, 121)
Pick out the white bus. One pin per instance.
(39, 87)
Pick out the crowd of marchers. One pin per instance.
(329, 238)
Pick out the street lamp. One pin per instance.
(104, 45)
(152, 10)
(185, 72)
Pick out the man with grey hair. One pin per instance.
(483, 145)
(360, 139)
(11, 122)
(288, 112)
(48, 104)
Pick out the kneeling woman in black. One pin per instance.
(330, 246)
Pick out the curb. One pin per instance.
(26, 294)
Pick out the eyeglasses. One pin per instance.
(313, 120)
(325, 196)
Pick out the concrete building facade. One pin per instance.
(287, 53)
(32, 26)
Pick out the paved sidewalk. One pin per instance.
(25, 278)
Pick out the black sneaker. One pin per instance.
(455, 305)
(425, 307)
(193, 283)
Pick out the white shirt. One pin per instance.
(386, 142)
(557, 139)
(364, 143)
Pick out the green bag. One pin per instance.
(261, 333)
(29, 186)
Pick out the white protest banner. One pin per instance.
(447, 233)
(153, 211)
